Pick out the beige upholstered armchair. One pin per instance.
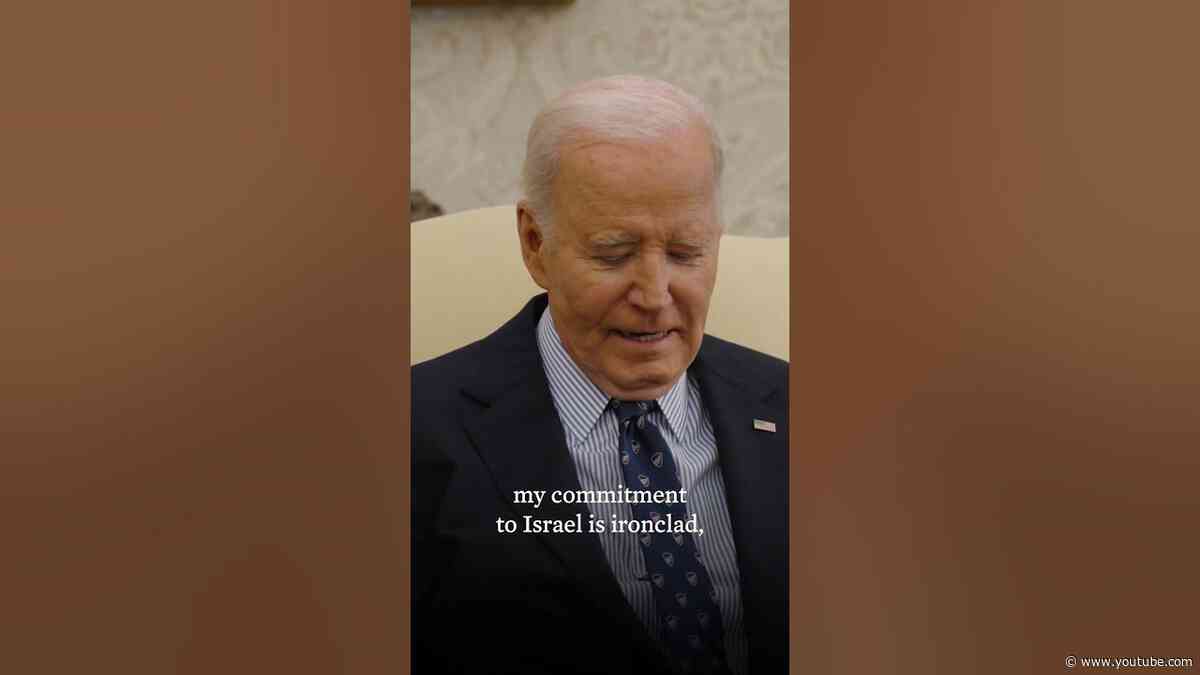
(468, 279)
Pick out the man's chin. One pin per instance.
(643, 387)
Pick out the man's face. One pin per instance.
(632, 259)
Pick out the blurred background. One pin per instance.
(480, 72)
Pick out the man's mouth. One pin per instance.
(644, 337)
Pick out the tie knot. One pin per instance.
(631, 410)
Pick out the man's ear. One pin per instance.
(533, 244)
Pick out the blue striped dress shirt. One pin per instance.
(592, 438)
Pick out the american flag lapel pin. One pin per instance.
(764, 425)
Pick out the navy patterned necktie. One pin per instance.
(684, 597)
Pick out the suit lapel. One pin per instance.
(519, 436)
(520, 439)
(754, 467)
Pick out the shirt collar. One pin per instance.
(580, 403)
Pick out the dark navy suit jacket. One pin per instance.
(483, 426)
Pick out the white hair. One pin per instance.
(621, 108)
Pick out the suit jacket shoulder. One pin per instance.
(509, 353)
(755, 371)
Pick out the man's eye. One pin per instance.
(684, 256)
(612, 259)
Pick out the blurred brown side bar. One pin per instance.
(203, 372)
(995, 317)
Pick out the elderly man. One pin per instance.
(605, 386)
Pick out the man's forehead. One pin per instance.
(611, 237)
(619, 234)
(688, 149)
(690, 218)
(617, 191)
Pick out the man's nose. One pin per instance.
(651, 288)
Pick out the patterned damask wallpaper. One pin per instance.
(480, 73)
